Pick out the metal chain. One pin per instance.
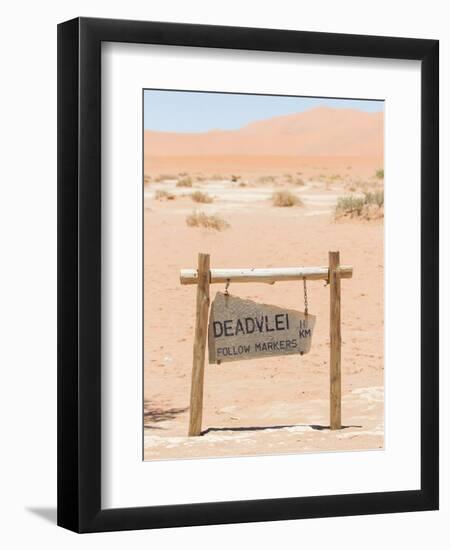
(305, 295)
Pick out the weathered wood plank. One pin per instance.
(243, 329)
(335, 342)
(198, 364)
(264, 275)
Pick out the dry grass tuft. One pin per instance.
(199, 196)
(266, 179)
(164, 177)
(160, 195)
(377, 197)
(184, 182)
(200, 219)
(349, 206)
(285, 198)
(369, 207)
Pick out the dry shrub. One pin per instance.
(377, 197)
(160, 195)
(380, 174)
(285, 198)
(200, 219)
(199, 196)
(184, 182)
(266, 179)
(349, 206)
(164, 177)
(299, 182)
(369, 207)
(372, 212)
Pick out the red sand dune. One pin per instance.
(318, 132)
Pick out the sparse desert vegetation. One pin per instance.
(161, 194)
(165, 177)
(199, 196)
(368, 207)
(185, 181)
(375, 197)
(285, 198)
(293, 180)
(200, 219)
(267, 179)
(349, 205)
(380, 174)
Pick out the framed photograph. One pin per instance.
(247, 275)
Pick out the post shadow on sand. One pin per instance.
(278, 427)
(154, 415)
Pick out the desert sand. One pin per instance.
(273, 405)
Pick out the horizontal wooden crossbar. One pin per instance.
(264, 275)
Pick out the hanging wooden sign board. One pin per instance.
(243, 329)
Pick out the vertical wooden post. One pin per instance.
(335, 341)
(201, 329)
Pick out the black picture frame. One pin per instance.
(79, 274)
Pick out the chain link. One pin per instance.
(305, 295)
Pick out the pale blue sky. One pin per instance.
(172, 111)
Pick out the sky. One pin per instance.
(174, 111)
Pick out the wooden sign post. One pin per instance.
(335, 341)
(198, 360)
(203, 276)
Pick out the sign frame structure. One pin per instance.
(203, 277)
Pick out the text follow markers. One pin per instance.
(242, 329)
